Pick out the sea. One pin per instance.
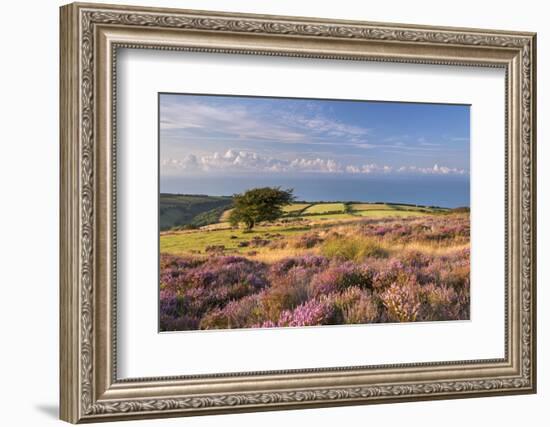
(428, 190)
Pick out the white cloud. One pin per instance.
(322, 124)
(374, 168)
(188, 163)
(315, 165)
(435, 170)
(237, 122)
(247, 161)
(352, 169)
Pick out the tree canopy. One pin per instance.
(259, 204)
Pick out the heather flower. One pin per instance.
(287, 291)
(388, 273)
(239, 313)
(181, 323)
(364, 310)
(415, 260)
(310, 313)
(401, 302)
(307, 241)
(381, 230)
(168, 303)
(256, 281)
(341, 277)
(442, 303)
(324, 283)
(308, 261)
(266, 324)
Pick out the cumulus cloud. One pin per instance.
(234, 161)
(435, 170)
(188, 163)
(315, 165)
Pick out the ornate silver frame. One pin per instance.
(90, 36)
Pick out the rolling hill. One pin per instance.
(179, 210)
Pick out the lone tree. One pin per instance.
(259, 204)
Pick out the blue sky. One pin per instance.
(230, 136)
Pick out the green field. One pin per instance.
(374, 210)
(389, 213)
(361, 207)
(291, 210)
(320, 208)
(331, 216)
(180, 211)
(370, 206)
(211, 215)
(189, 241)
(296, 207)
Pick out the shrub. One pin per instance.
(442, 303)
(353, 305)
(457, 277)
(307, 241)
(278, 244)
(286, 292)
(306, 261)
(168, 303)
(388, 273)
(310, 313)
(415, 260)
(340, 277)
(217, 249)
(353, 248)
(258, 242)
(240, 313)
(402, 302)
(181, 323)
(214, 319)
(364, 310)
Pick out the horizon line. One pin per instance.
(378, 202)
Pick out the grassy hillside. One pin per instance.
(178, 210)
(324, 208)
(300, 219)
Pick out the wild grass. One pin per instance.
(427, 233)
(353, 248)
(295, 207)
(320, 208)
(393, 213)
(225, 215)
(370, 206)
(193, 242)
(331, 216)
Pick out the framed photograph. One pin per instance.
(266, 212)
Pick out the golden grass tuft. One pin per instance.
(353, 248)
